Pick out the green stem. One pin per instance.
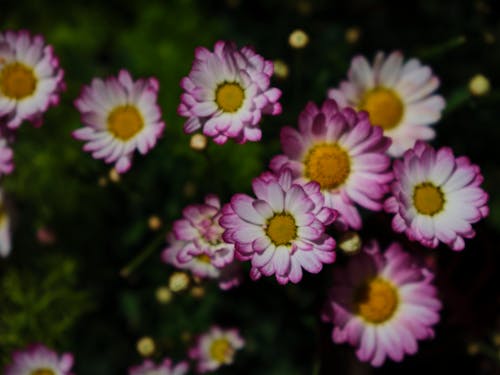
(142, 256)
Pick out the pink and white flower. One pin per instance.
(226, 93)
(382, 304)
(282, 230)
(216, 348)
(398, 96)
(30, 78)
(38, 359)
(165, 368)
(343, 153)
(201, 229)
(120, 116)
(197, 245)
(436, 197)
(6, 164)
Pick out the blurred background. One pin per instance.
(77, 227)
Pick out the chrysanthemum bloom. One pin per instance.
(436, 197)
(5, 240)
(201, 229)
(30, 78)
(215, 348)
(39, 360)
(120, 115)
(165, 368)
(282, 230)
(226, 93)
(398, 97)
(343, 153)
(382, 304)
(200, 264)
(6, 164)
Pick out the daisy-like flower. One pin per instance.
(282, 230)
(165, 368)
(382, 304)
(398, 96)
(436, 197)
(6, 164)
(343, 153)
(30, 78)
(215, 348)
(5, 240)
(201, 229)
(200, 263)
(39, 360)
(226, 93)
(120, 115)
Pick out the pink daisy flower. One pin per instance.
(282, 230)
(436, 197)
(30, 78)
(215, 348)
(39, 360)
(201, 229)
(120, 116)
(6, 164)
(343, 153)
(165, 368)
(398, 96)
(382, 304)
(226, 93)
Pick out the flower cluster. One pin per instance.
(363, 147)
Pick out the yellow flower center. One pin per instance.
(384, 107)
(42, 371)
(281, 229)
(221, 350)
(428, 199)
(328, 164)
(204, 258)
(17, 81)
(376, 301)
(229, 96)
(125, 122)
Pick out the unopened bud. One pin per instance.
(479, 85)
(298, 39)
(178, 281)
(154, 222)
(146, 346)
(163, 295)
(350, 243)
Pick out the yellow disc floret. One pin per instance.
(376, 301)
(428, 199)
(221, 350)
(42, 371)
(229, 96)
(328, 164)
(281, 229)
(125, 122)
(384, 107)
(17, 81)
